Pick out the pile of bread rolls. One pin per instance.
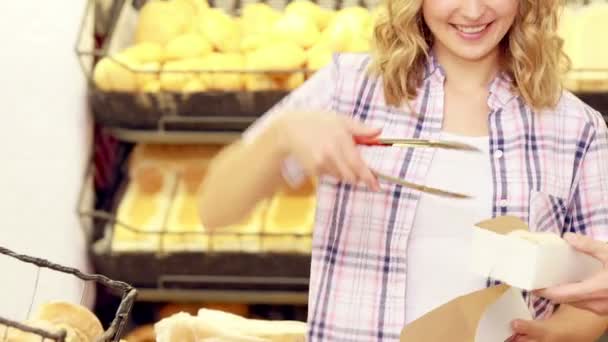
(218, 326)
(80, 324)
(175, 40)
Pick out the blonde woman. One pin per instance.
(481, 72)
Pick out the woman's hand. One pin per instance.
(591, 294)
(566, 324)
(547, 331)
(540, 331)
(323, 143)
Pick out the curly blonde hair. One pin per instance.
(532, 51)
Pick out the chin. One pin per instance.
(472, 54)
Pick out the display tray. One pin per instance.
(174, 111)
(219, 111)
(204, 269)
(210, 271)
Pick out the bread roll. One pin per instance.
(71, 315)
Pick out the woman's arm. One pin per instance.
(588, 215)
(239, 177)
(287, 144)
(251, 169)
(245, 173)
(590, 294)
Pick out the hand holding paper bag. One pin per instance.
(482, 316)
(502, 249)
(590, 294)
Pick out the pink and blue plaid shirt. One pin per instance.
(550, 169)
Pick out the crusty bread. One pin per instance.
(72, 315)
(233, 337)
(183, 327)
(175, 328)
(149, 178)
(273, 331)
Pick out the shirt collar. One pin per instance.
(500, 89)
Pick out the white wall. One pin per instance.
(44, 137)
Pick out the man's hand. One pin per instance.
(590, 294)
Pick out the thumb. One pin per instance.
(531, 329)
(589, 246)
(358, 129)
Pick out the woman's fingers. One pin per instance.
(333, 162)
(358, 129)
(588, 245)
(353, 158)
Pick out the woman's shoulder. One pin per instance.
(573, 109)
(352, 64)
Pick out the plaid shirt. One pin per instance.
(550, 169)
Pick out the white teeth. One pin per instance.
(471, 29)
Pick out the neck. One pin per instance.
(466, 74)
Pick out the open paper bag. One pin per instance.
(486, 315)
(482, 316)
(525, 264)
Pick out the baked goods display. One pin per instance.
(582, 29)
(214, 326)
(290, 220)
(174, 41)
(80, 324)
(159, 209)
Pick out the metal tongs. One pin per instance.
(417, 143)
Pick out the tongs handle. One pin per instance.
(415, 143)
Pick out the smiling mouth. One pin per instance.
(471, 29)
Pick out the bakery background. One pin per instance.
(126, 104)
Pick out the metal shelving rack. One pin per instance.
(188, 287)
(163, 135)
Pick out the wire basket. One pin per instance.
(113, 333)
(200, 268)
(203, 267)
(166, 110)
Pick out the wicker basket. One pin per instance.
(113, 333)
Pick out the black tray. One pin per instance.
(599, 101)
(174, 111)
(213, 271)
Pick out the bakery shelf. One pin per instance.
(174, 137)
(169, 110)
(263, 276)
(223, 296)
